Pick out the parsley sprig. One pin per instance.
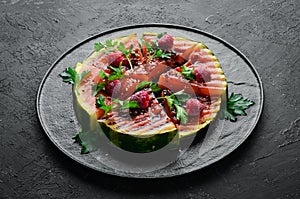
(126, 104)
(100, 103)
(155, 51)
(154, 86)
(111, 46)
(161, 34)
(236, 105)
(71, 76)
(188, 73)
(126, 52)
(117, 73)
(89, 141)
(96, 88)
(177, 100)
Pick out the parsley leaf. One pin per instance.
(181, 114)
(155, 51)
(170, 100)
(96, 88)
(109, 43)
(154, 86)
(109, 46)
(126, 104)
(182, 97)
(102, 74)
(149, 47)
(89, 141)
(126, 52)
(177, 100)
(236, 105)
(161, 54)
(116, 74)
(130, 104)
(161, 34)
(98, 46)
(100, 103)
(188, 73)
(69, 76)
(142, 85)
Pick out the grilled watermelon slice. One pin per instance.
(154, 128)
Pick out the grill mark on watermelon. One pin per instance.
(144, 122)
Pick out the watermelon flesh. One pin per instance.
(155, 127)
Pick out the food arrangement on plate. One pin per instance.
(142, 92)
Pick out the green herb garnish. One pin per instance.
(127, 104)
(181, 114)
(161, 34)
(100, 103)
(71, 76)
(96, 88)
(116, 74)
(102, 74)
(155, 51)
(154, 86)
(111, 46)
(188, 73)
(177, 100)
(161, 54)
(126, 52)
(89, 141)
(236, 105)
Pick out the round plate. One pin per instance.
(57, 117)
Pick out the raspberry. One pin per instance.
(142, 98)
(165, 42)
(194, 107)
(113, 87)
(114, 59)
(202, 74)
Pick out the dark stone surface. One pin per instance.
(34, 33)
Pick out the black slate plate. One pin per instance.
(55, 107)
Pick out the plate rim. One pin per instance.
(142, 25)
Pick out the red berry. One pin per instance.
(114, 59)
(113, 87)
(194, 107)
(165, 42)
(142, 98)
(202, 74)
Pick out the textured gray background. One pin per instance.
(34, 33)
